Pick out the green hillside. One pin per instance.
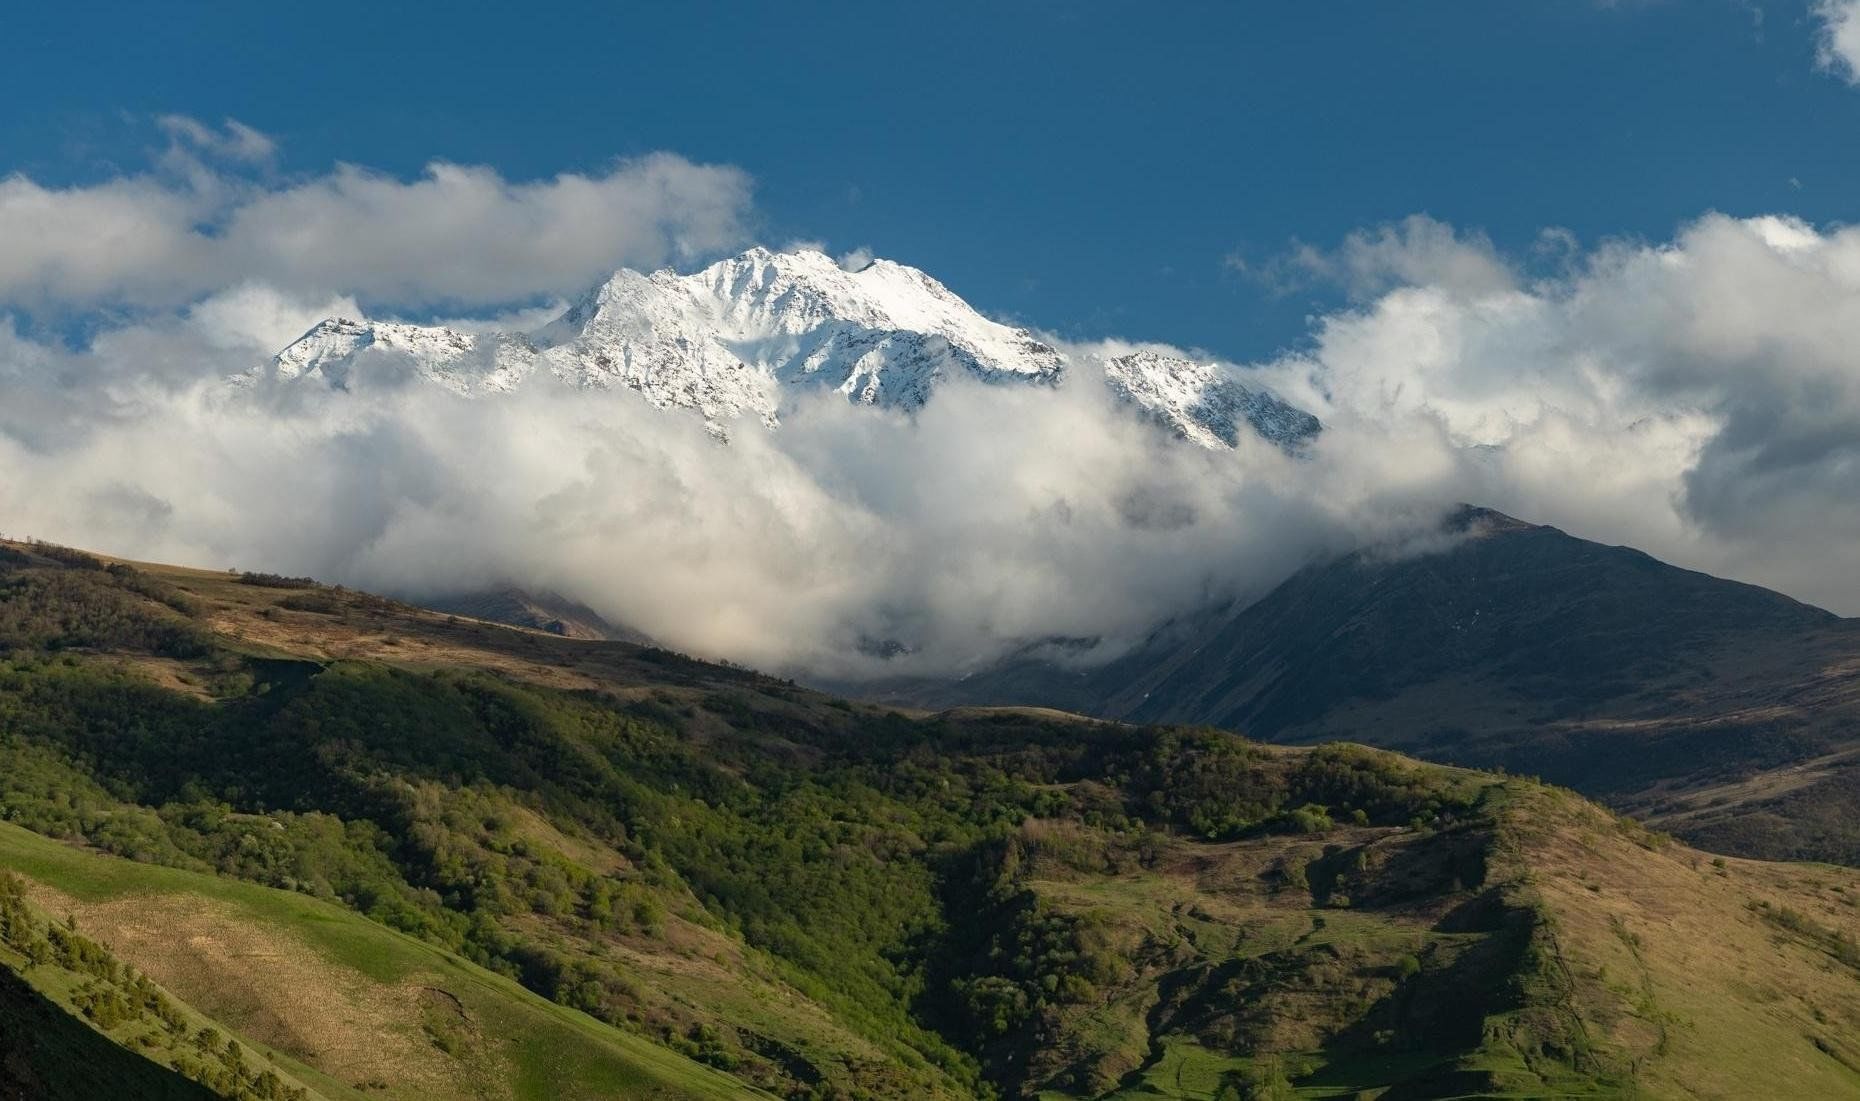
(416, 855)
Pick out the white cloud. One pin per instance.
(1698, 399)
(256, 317)
(459, 234)
(1421, 250)
(464, 234)
(132, 239)
(1837, 42)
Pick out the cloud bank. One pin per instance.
(994, 517)
(1698, 398)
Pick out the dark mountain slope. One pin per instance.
(1524, 622)
(1521, 646)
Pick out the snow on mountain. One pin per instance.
(729, 341)
(465, 363)
(1203, 401)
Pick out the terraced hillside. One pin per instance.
(401, 853)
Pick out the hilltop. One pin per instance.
(436, 827)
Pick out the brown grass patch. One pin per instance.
(175, 676)
(1679, 966)
(273, 989)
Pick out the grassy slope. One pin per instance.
(47, 1053)
(162, 1041)
(1555, 950)
(362, 1009)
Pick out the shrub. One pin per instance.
(68, 556)
(1309, 818)
(276, 581)
(82, 609)
(322, 603)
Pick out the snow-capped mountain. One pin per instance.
(731, 340)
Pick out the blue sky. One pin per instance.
(1089, 167)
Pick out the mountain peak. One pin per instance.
(737, 337)
(1480, 520)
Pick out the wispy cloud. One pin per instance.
(1837, 43)
(234, 139)
(1418, 249)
